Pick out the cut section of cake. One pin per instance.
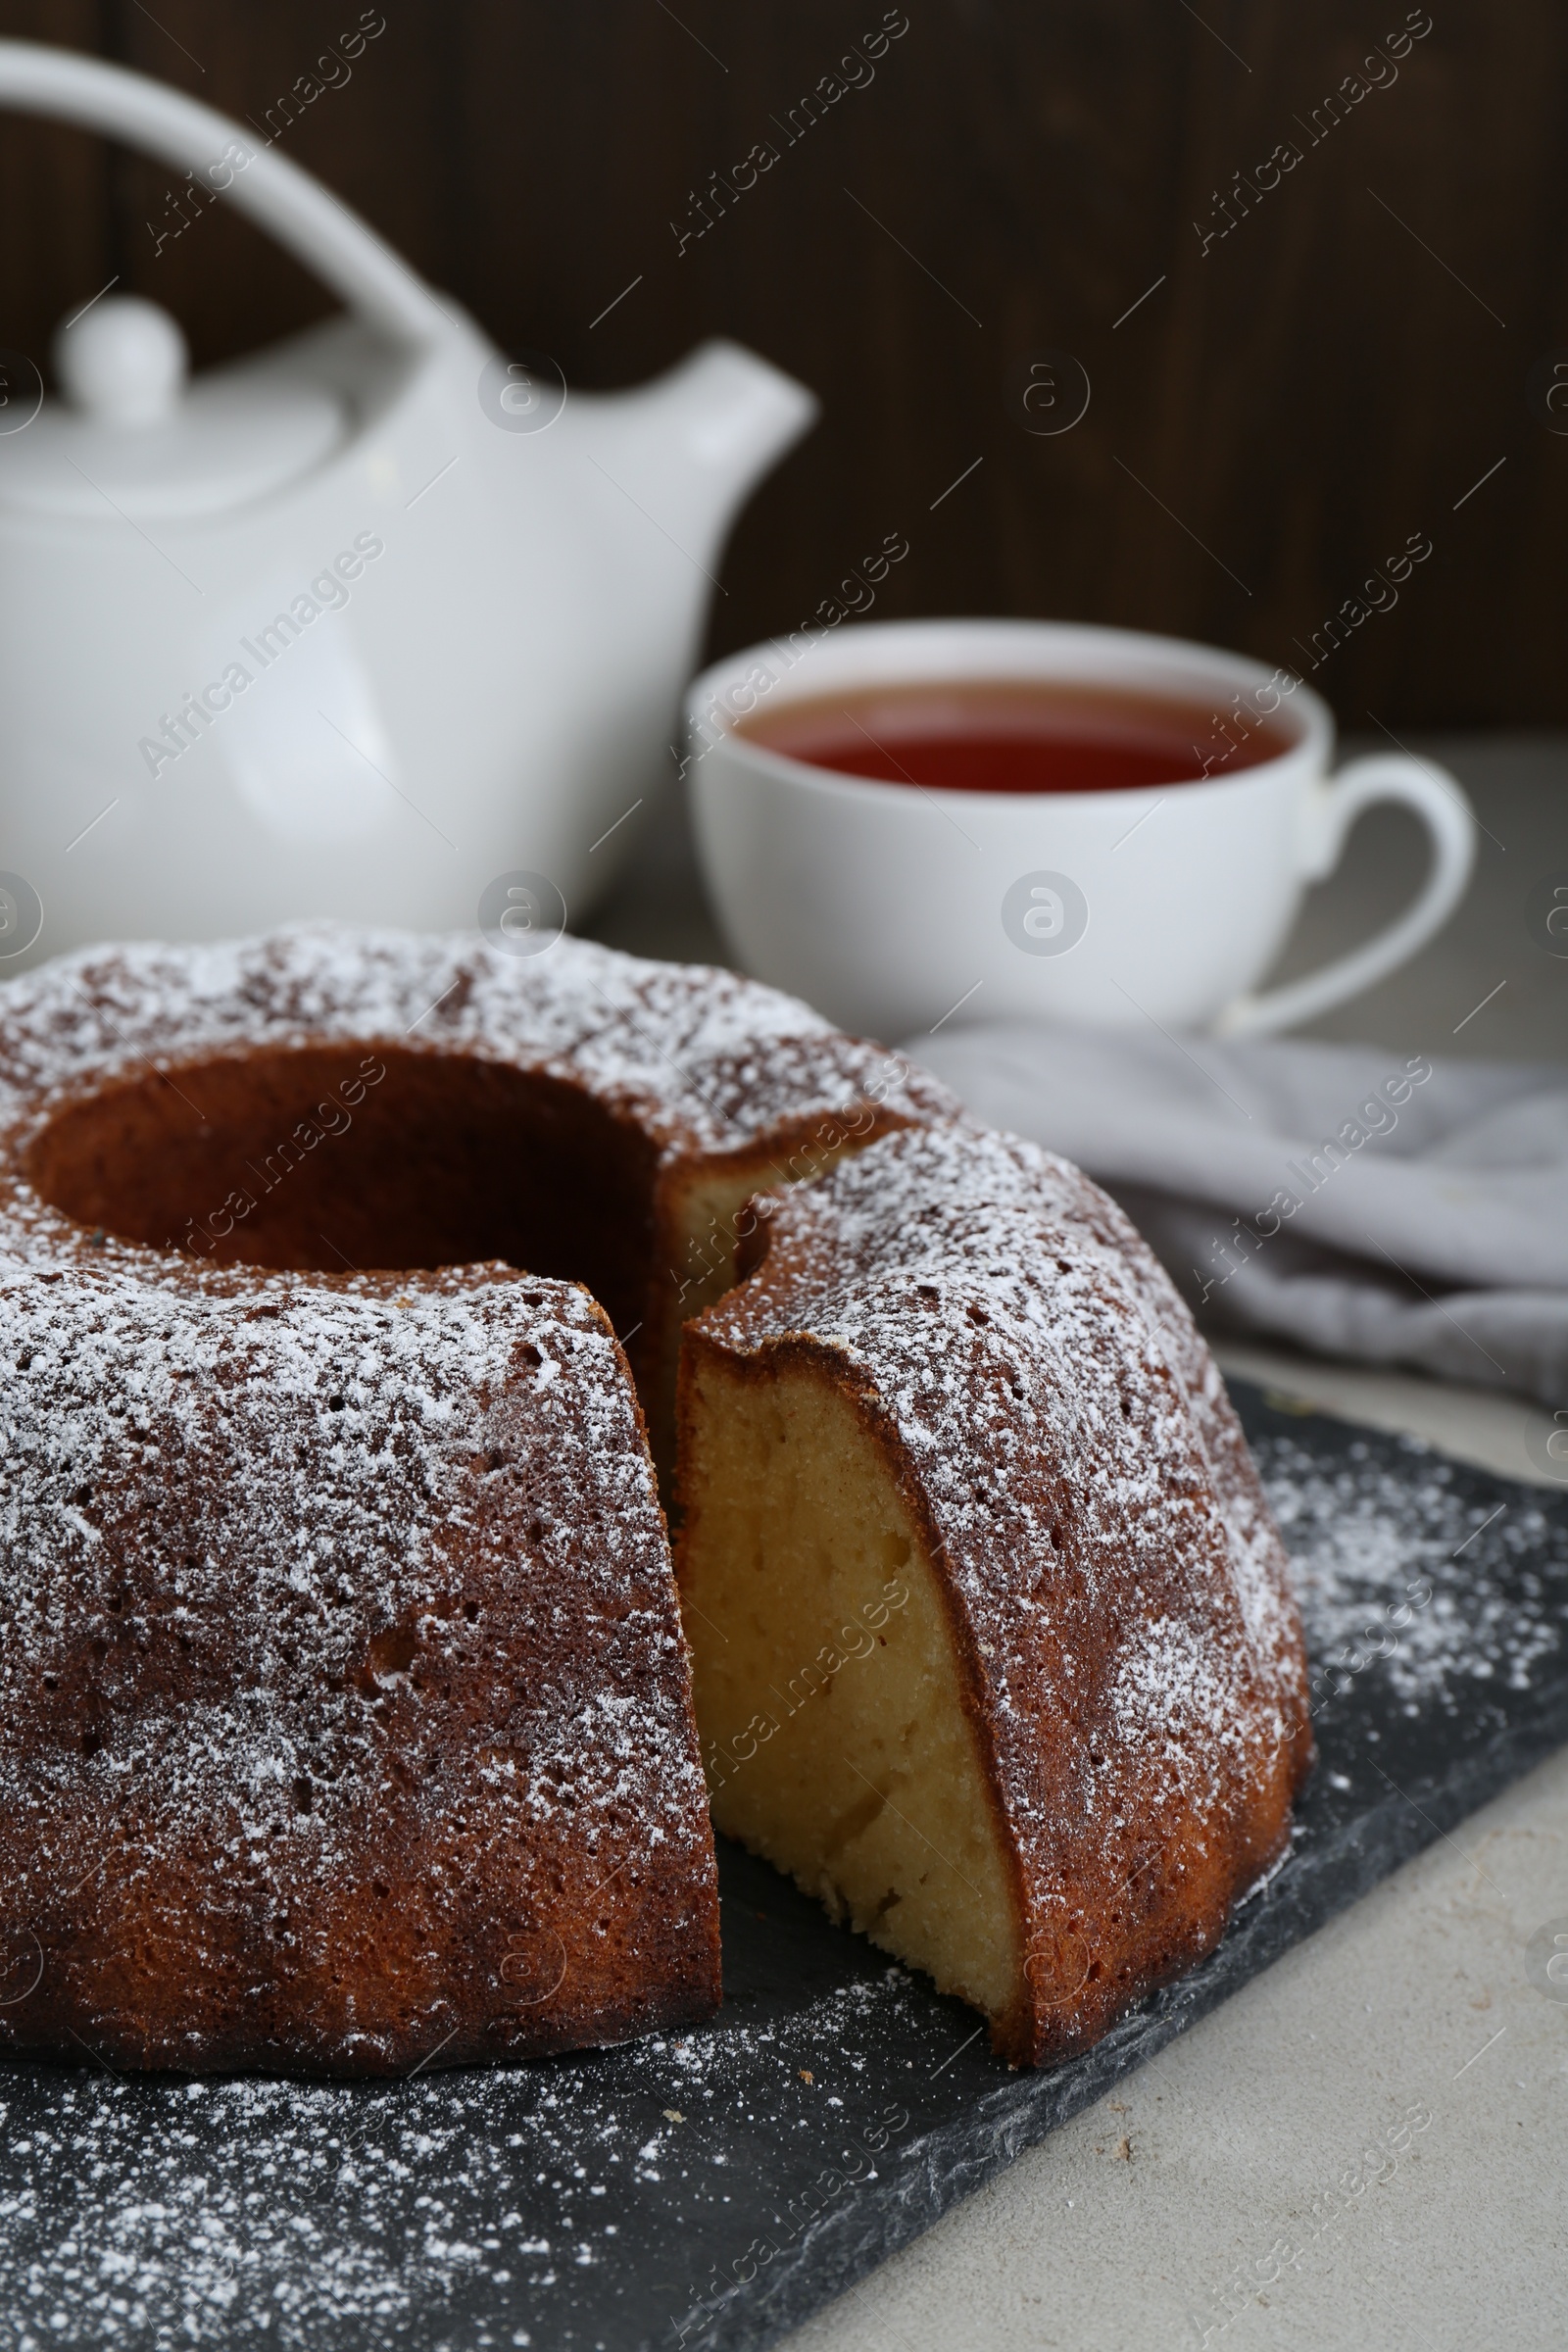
(993, 1647)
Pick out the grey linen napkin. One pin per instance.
(1361, 1202)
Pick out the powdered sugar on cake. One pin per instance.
(705, 1060)
(243, 1522)
(1081, 1474)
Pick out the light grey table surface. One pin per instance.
(1155, 2220)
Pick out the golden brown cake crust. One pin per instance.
(1127, 1642)
(344, 1712)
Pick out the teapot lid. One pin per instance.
(130, 437)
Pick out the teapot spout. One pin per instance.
(733, 414)
(695, 441)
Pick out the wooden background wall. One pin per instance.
(1284, 410)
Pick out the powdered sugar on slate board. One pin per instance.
(265, 2211)
(1391, 1571)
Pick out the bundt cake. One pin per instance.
(344, 1717)
(993, 1644)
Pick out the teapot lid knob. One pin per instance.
(121, 363)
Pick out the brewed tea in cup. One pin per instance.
(912, 822)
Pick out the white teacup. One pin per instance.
(892, 907)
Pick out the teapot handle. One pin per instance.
(319, 229)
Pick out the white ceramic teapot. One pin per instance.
(355, 625)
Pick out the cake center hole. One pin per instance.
(358, 1158)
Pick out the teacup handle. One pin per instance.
(1331, 809)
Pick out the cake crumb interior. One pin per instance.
(825, 1680)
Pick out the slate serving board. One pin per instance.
(711, 2189)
